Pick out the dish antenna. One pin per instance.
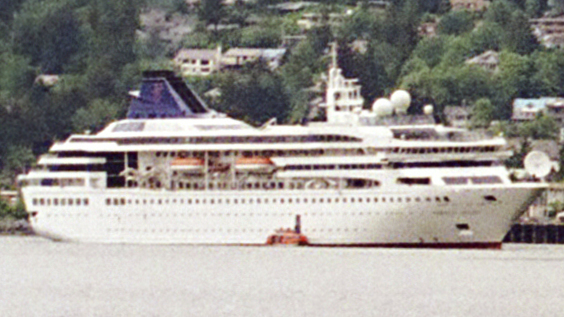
(537, 164)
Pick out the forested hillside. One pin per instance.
(96, 48)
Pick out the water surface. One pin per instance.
(43, 278)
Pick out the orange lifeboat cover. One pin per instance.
(254, 161)
(188, 161)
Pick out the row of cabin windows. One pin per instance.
(60, 202)
(477, 180)
(227, 139)
(475, 149)
(332, 167)
(212, 201)
(229, 230)
(266, 153)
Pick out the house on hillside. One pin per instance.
(549, 31)
(236, 57)
(428, 29)
(197, 62)
(310, 20)
(291, 7)
(528, 109)
(458, 116)
(489, 60)
(470, 5)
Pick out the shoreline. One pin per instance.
(15, 227)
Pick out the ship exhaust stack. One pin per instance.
(164, 95)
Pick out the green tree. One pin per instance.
(455, 23)
(482, 113)
(37, 33)
(431, 50)
(500, 12)
(94, 117)
(254, 95)
(518, 35)
(211, 12)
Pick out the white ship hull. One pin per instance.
(421, 216)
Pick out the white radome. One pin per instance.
(537, 164)
(401, 100)
(428, 109)
(383, 107)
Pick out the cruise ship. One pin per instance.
(176, 172)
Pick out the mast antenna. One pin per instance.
(334, 54)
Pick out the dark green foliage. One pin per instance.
(456, 23)
(37, 34)
(211, 12)
(255, 94)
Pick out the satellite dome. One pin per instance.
(382, 107)
(428, 110)
(400, 100)
(537, 164)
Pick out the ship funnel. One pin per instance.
(164, 95)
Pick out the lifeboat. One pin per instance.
(254, 164)
(286, 237)
(187, 164)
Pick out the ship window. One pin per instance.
(71, 201)
(34, 201)
(383, 199)
(462, 226)
(446, 199)
(414, 180)
(438, 199)
(122, 201)
(78, 201)
(490, 198)
(42, 201)
(281, 200)
(321, 200)
(160, 201)
(196, 201)
(455, 180)
(360, 200)
(408, 199)
(486, 180)
(48, 201)
(375, 199)
(63, 202)
(428, 199)
(212, 201)
(85, 201)
(108, 201)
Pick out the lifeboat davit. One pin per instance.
(254, 164)
(187, 164)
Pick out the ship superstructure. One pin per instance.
(176, 172)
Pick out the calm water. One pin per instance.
(42, 278)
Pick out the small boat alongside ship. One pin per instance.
(175, 171)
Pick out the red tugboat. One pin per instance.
(288, 236)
